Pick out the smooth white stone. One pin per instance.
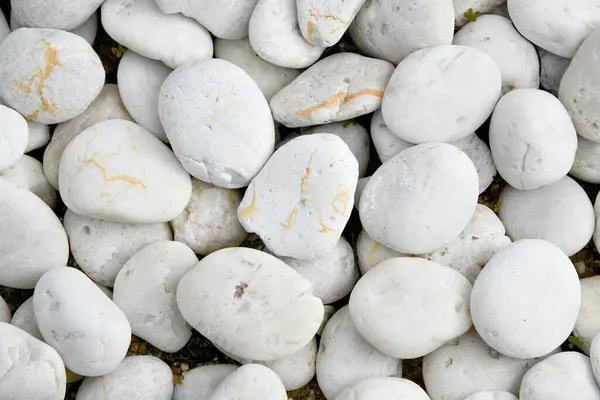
(595, 357)
(24, 318)
(587, 325)
(58, 14)
(28, 174)
(370, 252)
(201, 382)
(250, 382)
(39, 136)
(14, 135)
(86, 30)
(384, 388)
(323, 23)
(386, 143)
(4, 311)
(492, 395)
(586, 166)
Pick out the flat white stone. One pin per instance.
(571, 21)
(108, 105)
(566, 375)
(468, 365)
(209, 222)
(217, 121)
(532, 139)
(275, 36)
(430, 298)
(483, 6)
(336, 88)
(595, 357)
(332, 275)
(386, 143)
(315, 176)
(492, 395)
(201, 382)
(560, 213)
(118, 171)
(516, 57)
(370, 253)
(86, 30)
(140, 26)
(140, 80)
(384, 388)
(39, 136)
(227, 294)
(58, 14)
(24, 318)
(225, 19)
(34, 240)
(553, 68)
(28, 174)
(579, 92)
(250, 382)
(30, 369)
(136, 378)
(587, 325)
(145, 290)
(4, 311)
(49, 75)
(526, 299)
(14, 135)
(87, 329)
(586, 166)
(390, 30)
(421, 199)
(323, 23)
(463, 81)
(346, 358)
(101, 248)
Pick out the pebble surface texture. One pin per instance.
(430, 298)
(553, 68)
(587, 325)
(251, 382)
(58, 14)
(420, 199)
(118, 171)
(4, 311)
(226, 295)
(586, 166)
(28, 174)
(302, 220)
(201, 382)
(88, 330)
(384, 388)
(141, 26)
(488, 395)
(87, 30)
(14, 135)
(336, 88)
(24, 318)
(433, 79)
(525, 301)
(49, 75)
(29, 368)
(225, 103)
(324, 23)
(37, 241)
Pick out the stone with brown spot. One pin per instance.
(323, 23)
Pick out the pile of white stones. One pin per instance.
(165, 174)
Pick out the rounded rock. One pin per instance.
(586, 166)
(251, 382)
(118, 171)
(14, 135)
(595, 357)
(35, 240)
(420, 199)
(4, 311)
(315, 176)
(587, 325)
(49, 75)
(238, 286)
(210, 99)
(24, 318)
(28, 174)
(388, 388)
(58, 14)
(86, 30)
(532, 139)
(370, 252)
(489, 395)
(386, 143)
(39, 136)
(553, 68)
(481, 156)
(463, 81)
(324, 23)
(525, 301)
(88, 330)
(360, 188)
(136, 378)
(201, 382)
(26, 359)
(442, 314)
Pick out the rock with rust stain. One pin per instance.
(14, 135)
(35, 240)
(217, 121)
(323, 23)
(391, 30)
(86, 30)
(58, 14)
(136, 378)
(250, 304)
(386, 388)
(301, 200)
(336, 88)
(49, 75)
(201, 382)
(251, 382)
(145, 291)
(209, 221)
(27, 359)
(140, 26)
(370, 252)
(88, 330)
(118, 171)
(275, 36)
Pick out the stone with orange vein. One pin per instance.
(370, 252)
(14, 135)
(49, 75)
(336, 88)
(323, 23)
(300, 202)
(118, 171)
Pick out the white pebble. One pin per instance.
(596, 236)
(431, 299)
(39, 136)
(87, 329)
(489, 395)
(595, 357)
(250, 382)
(24, 318)
(14, 135)
(346, 358)
(329, 311)
(386, 143)
(28, 174)
(227, 294)
(360, 188)
(553, 68)
(315, 176)
(4, 311)
(4, 28)
(212, 99)
(532, 139)
(87, 30)
(370, 253)
(101, 248)
(587, 325)
(388, 388)
(481, 156)
(525, 301)
(201, 382)
(323, 23)
(586, 166)
(33, 239)
(59, 14)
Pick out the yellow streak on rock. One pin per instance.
(316, 15)
(324, 228)
(121, 177)
(372, 252)
(340, 202)
(337, 100)
(291, 219)
(304, 179)
(248, 211)
(364, 92)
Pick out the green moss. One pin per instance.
(471, 16)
